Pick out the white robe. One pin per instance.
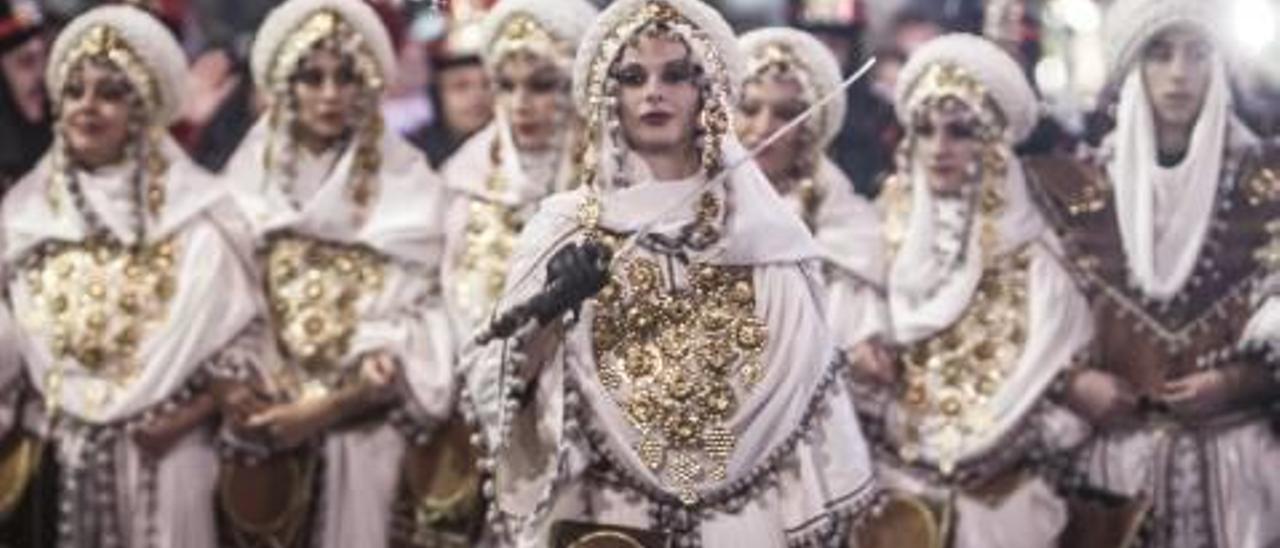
(402, 226)
(926, 297)
(167, 501)
(847, 229)
(798, 442)
(467, 174)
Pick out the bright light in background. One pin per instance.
(1253, 22)
(1083, 16)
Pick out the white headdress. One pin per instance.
(550, 28)
(289, 33)
(928, 292)
(1130, 24)
(1004, 84)
(142, 48)
(291, 29)
(1164, 212)
(775, 47)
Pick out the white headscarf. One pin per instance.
(928, 295)
(1164, 212)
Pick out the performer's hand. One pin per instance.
(1212, 391)
(158, 435)
(1103, 398)
(872, 361)
(237, 401)
(577, 272)
(379, 373)
(378, 369)
(288, 425)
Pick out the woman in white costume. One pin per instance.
(346, 219)
(787, 71)
(985, 318)
(499, 175)
(698, 400)
(1173, 234)
(114, 246)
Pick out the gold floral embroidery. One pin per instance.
(314, 288)
(678, 363)
(1264, 186)
(488, 240)
(1268, 255)
(951, 377)
(96, 301)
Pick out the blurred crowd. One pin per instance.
(442, 94)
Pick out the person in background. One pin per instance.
(25, 127)
(501, 174)
(865, 147)
(345, 217)
(462, 93)
(1173, 237)
(985, 318)
(787, 71)
(115, 246)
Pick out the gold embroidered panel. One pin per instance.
(678, 361)
(488, 240)
(951, 377)
(95, 301)
(314, 288)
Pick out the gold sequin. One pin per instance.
(487, 243)
(314, 288)
(94, 302)
(951, 377)
(678, 361)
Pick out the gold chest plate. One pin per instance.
(96, 301)
(678, 362)
(951, 376)
(314, 288)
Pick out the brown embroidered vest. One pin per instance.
(1143, 340)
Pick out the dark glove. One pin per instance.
(575, 273)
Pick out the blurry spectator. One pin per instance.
(865, 148)
(25, 129)
(461, 96)
(911, 28)
(237, 106)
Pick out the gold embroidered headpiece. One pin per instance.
(522, 32)
(943, 80)
(324, 24)
(106, 43)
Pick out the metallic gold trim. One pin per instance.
(106, 42)
(18, 465)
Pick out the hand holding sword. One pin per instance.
(559, 294)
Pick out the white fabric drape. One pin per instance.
(832, 467)
(1059, 319)
(207, 263)
(1164, 212)
(403, 225)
